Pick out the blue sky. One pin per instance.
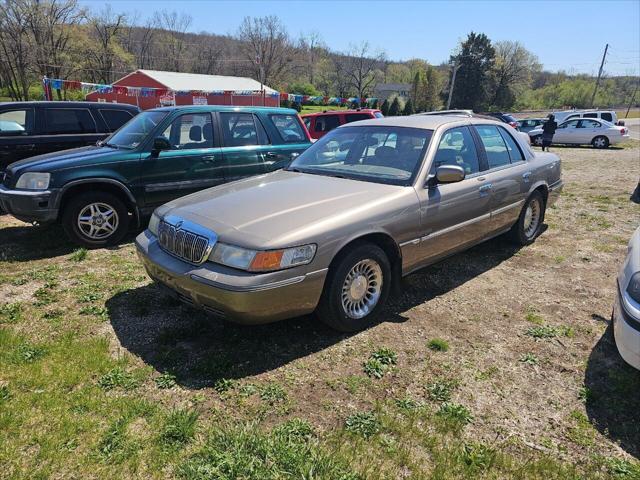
(568, 35)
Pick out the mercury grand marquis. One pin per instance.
(332, 232)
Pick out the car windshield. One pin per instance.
(135, 131)
(380, 154)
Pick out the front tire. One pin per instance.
(356, 289)
(530, 221)
(537, 140)
(600, 142)
(95, 219)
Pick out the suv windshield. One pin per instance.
(378, 154)
(135, 131)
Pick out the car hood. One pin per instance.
(63, 159)
(284, 208)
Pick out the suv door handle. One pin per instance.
(271, 154)
(29, 146)
(208, 159)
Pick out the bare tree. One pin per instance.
(15, 48)
(267, 45)
(173, 38)
(105, 28)
(360, 66)
(513, 70)
(312, 47)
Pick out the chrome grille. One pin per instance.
(184, 244)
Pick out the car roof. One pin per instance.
(333, 112)
(427, 122)
(55, 104)
(225, 108)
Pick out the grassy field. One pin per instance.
(633, 113)
(496, 363)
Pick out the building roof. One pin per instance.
(195, 81)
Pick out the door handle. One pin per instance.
(29, 146)
(485, 188)
(526, 176)
(271, 154)
(208, 159)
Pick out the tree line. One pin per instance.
(62, 39)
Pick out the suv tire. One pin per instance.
(356, 289)
(95, 219)
(530, 221)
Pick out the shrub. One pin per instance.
(438, 345)
(365, 424)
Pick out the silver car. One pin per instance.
(584, 131)
(366, 204)
(626, 312)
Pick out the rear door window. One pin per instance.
(494, 146)
(326, 123)
(239, 129)
(289, 128)
(61, 121)
(457, 147)
(115, 118)
(590, 115)
(589, 124)
(354, 117)
(514, 150)
(16, 122)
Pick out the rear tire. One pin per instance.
(530, 221)
(537, 140)
(600, 142)
(356, 289)
(95, 219)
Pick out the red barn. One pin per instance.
(189, 89)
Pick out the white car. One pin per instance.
(626, 312)
(584, 131)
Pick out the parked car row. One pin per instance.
(583, 131)
(292, 227)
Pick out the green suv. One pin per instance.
(97, 192)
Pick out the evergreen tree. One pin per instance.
(475, 62)
(385, 107)
(431, 89)
(394, 109)
(408, 108)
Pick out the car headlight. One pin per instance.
(154, 222)
(33, 181)
(262, 261)
(633, 289)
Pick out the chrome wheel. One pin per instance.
(361, 289)
(98, 221)
(537, 141)
(600, 142)
(532, 218)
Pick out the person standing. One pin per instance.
(548, 130)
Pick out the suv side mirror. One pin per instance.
(449, 174)
(161, 143)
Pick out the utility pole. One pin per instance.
(633, 97)
(595, 90)
(453, 82)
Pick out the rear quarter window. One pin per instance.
(607, 116)
(289, 128)
(115, 118)
(354, 117)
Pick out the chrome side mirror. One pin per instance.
(449, 174)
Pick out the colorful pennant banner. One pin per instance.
(86, 87)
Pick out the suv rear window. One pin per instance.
(607, 116)
(68, 120)
(354, 117)
(115, 118)
(326, 123)
(289, 128)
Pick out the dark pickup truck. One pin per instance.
(33, 128)
(96, 192)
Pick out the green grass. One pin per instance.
(320, 108)
(438, 345)
(633, 113)
(364, 424)
(178, 428)
(380, 362)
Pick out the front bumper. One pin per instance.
(30, 206)
(242, 297)
(626, 330)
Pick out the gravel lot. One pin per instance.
(567, 394)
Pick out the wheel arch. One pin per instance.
(109, 185)
(541, 187)
(381, 239)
